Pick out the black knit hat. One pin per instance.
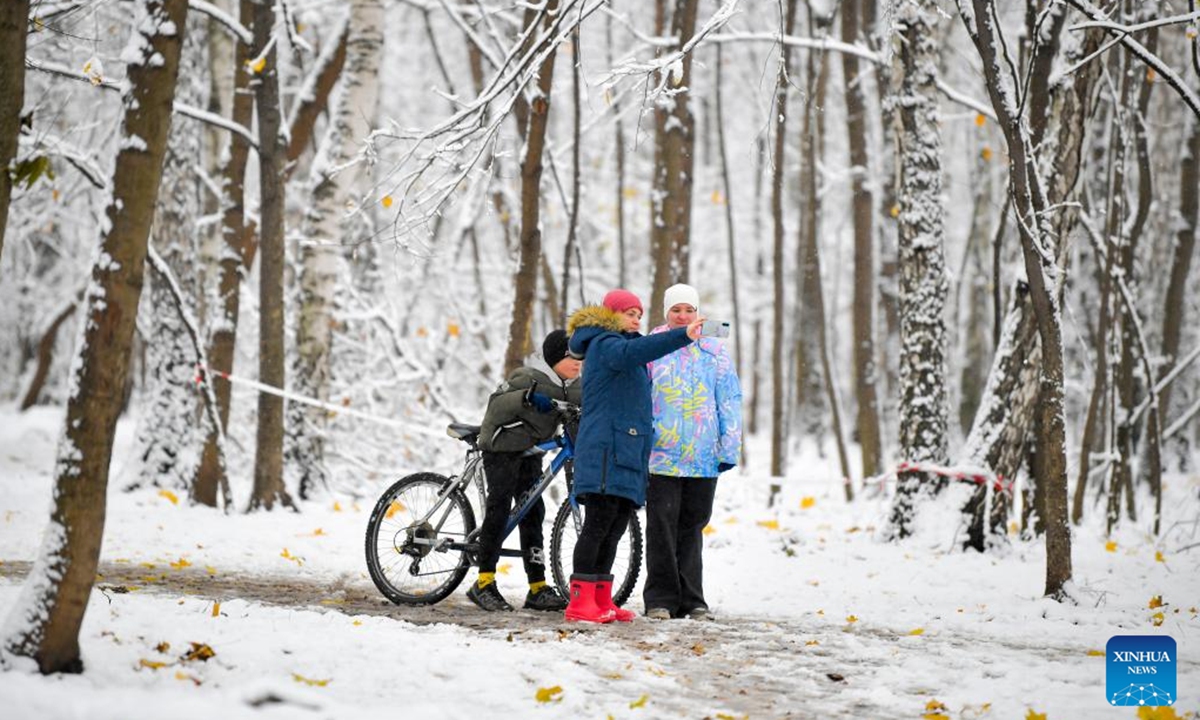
(554, 347)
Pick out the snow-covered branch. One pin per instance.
(240, 31)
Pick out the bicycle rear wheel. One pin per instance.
(625, 569)
(410, 536)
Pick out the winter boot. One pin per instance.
(488, 597)
(604, 599)
(583, 605)
(545, 598)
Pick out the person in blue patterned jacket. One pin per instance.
(697, 435)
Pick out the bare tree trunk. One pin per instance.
(1043, 272)
(14, 20)
(211, 474)
(520, 329)
(619, 146)
(46, 618)
(923, 288)
(778, 391)
(729, 226)
(863, 208)
(325, 232)
(268, 458)
(45, 355)
(576, 182)
(1175, 307)
(671, 221)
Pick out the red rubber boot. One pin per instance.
(583, 606)
(604, 599)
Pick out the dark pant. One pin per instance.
(509, 475)
(677, 509)
(605, 518)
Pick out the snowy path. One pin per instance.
(756, 667)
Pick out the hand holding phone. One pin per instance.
(714, 328)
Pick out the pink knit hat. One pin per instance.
(621, 300)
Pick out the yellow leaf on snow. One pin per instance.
(851, 618)
(1095, 653)
(709, 530)
(180, 564)
(311, 682)
(769, 524)
(152, 664)
(1033, 715)
(810, 643)
(216, 611)
(917, 631)
(337, 507)
(1158, 556)
(934, 704)
(640, 702)
(1111, 546)
(549, 694)
(172, 497)
(980, 120)
(1163, 712)
(1156, 602)
(453, 330)
(1157, 618)
(199, 651)
(288, 556)
(807, 502)
(386, 201)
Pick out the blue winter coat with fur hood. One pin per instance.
(612, 451)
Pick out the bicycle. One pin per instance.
(422, 538)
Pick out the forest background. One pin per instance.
(934, 227)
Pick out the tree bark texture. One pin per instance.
(520, 329)
(268, 459)
(48, 614)
(671, 205)
(14, 21)
(1174, 308)
(211, 474)
(863, 210)
(325, 232)
(923, 284)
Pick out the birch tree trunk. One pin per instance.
(14, 21)
(324, 232)
(1174, 307)
(671, 205)
(44, 623)
(268, 458)
(525, 285)
(923, 284)
(223, 323)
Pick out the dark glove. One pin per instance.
(541, 403)
(722, 467)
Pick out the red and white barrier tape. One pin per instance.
(978, 476)
(202, 371)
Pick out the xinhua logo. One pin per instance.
(1141, 670)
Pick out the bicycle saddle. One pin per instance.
(461, 431)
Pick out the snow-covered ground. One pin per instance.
(802, 592)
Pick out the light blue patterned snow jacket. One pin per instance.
(697, 410)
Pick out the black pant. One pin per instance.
(605, 518)
(677, 510)
(509, 475)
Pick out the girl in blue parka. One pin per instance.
(612, 450)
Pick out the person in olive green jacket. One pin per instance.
(520, 414)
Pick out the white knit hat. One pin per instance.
(680, 293)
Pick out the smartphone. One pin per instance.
(714, 328)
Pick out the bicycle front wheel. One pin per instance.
(626, 567)
(415, 543)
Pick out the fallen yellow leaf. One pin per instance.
(1157, 618)
(851, 618)
(172, 497)
(356, 623)
(1095, 653)
(980, 120)
(1156, 602)
(769, 524)
(199, 651)
(709, 530)
(810, 643)
(310, 681)
(453, 330)
(807, 502)
(180, 564)
(216, 611)
(1163, 712)
(386, 201)
(917, 631)
(152, 664)
(1031, 715)
(640, 702)
(337, 507)
(545, 695)
(1111, 546)
(986, 153)
(1158, 556)
(934, 704)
